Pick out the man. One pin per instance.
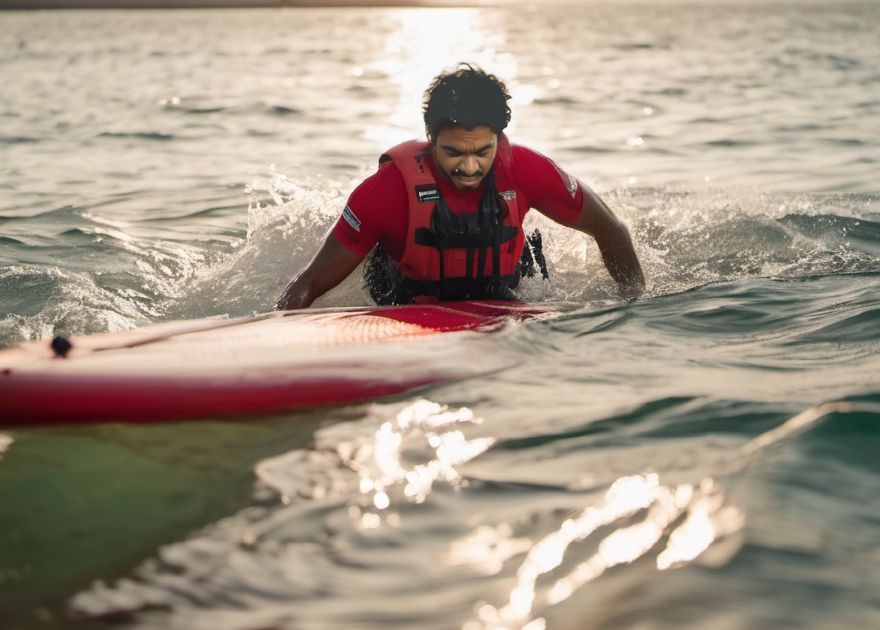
(443, 218)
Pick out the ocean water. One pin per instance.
(705, 457)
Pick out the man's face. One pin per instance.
(465, 155)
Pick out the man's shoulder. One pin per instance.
(384, 187)
(539, 173)
(526, 162)
(389, 171)
(522, 152)
(388, 174)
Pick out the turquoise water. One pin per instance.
(701, 458)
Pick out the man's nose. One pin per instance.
(470, 165)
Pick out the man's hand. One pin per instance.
(295, 295)
(614, 243)
(331, 265)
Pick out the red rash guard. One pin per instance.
(377, 210)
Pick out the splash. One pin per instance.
(147, 272)
(53, 301)
(690, 239)
(286, 222)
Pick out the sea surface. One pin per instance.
(705, 457)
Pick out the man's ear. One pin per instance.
(428, 134)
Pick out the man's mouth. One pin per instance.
(468, 180)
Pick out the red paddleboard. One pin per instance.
(279, 361)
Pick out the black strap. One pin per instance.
(476, 233)
(424, 236)
(536, 244)
(496, 258)
(387, 285)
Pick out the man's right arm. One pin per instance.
(331, 265)
(376, 209)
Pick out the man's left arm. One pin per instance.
(612, 237)
(556, 194)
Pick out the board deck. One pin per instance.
(278, 361)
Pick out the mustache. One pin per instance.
(460, 173)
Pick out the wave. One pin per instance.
(111, 279)
(690, 239)
(202, 110)
(283, 110)
(729, 143)
(37, 302)
(588, 148)
(686, 241)
(138, 135)
(18, 140)
(61, 213)
(199, 213)
(558, 100)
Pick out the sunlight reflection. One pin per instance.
(795, 425)
(706, 520)
(427, 42)
(424, 428)
(6, 441)
(488, 548)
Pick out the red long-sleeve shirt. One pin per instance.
(377, 209)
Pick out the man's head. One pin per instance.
(465, 111)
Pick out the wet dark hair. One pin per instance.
(467, 97)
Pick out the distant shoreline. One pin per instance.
(27, 5)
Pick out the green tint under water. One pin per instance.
(87, 502)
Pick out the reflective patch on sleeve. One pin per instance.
(570, 182)
(351, 219)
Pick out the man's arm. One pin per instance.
(615, 244)
(331, 265)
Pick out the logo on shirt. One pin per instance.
(427, 192)
(351, 219)
(507, 195)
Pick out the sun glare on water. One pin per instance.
(697, 517)
(424, 43)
